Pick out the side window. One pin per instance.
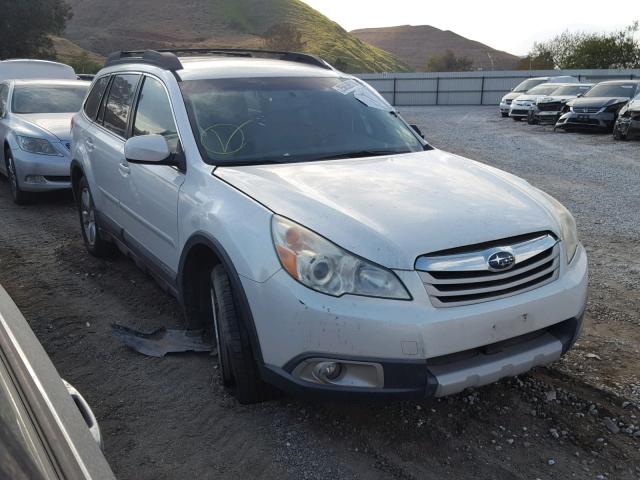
(153, 115)
(4, 95)
(118, 106)
(92, 104)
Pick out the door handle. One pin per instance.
(89, 144)
(124, 169)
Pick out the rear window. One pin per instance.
(92, 104)
(47, 99)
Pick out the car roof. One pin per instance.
(195, 68)
(43, 82)
(620, 82)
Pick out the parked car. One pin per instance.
(628, 122)
(548, 109)
(522, 104)
(24, 69)
(85, 76)
(35, 133)
(330, 248)
(599, 107)
(528, 84)
(47, 430)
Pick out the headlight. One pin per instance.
(568, 226)
(322, 266)
(37, 145)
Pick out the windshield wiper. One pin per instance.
(362, 153)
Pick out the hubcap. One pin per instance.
(88, 216)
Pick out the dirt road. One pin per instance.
(169, 418)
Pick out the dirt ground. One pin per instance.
(170, 418)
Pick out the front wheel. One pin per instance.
(235, 357)
(19, 196)
(93, 241)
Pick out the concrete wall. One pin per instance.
(470, 88)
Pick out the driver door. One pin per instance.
(150, 198)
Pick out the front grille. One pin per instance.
(583, 121)
(519, 112)
(462, 276)
(550, 106)
(586, 109)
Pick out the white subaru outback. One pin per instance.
(332, 251)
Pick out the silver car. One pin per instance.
(35, 133)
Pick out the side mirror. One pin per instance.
(579, 95)
(147, 149)
(418, 131)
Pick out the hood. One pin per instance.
(634, 105)
(56, 124)
(597, 102)
(528, 98)
(555, 98)
(393, 209)
(511, 95)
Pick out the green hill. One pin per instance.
(106, 25)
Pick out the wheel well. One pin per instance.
(194, 285)
(76, 175)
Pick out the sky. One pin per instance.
(512, 26)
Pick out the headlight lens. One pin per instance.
(322, 266)
(567, 226)
(37, 145)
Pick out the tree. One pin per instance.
(448, 62)
(618, 49)
(539, 61)
(284, 36)
(25, 26)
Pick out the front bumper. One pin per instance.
(628, 126)
(504, 107)
(519, 111)
(422, 350)
(38, 173)
(587, 121)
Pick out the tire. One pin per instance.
(618, 135)
(238, 368)
(516, 119)
(504, 115)
(531, 120)
(19, 196)
(95, 244)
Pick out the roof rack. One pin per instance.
(167, 58)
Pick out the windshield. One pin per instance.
(528, 85)
(258, 120)
(48, 99)
(543, 90)
(572, 89)
(612, 90)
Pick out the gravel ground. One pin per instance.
(169, 418)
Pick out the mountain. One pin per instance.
(414, 45)
(106, 25)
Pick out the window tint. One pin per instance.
(4, 95)
(153, 115)
(92, 104)
(118, 107)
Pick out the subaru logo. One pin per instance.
(501, 260)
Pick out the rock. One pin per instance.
(611, 425)
(551, 395)
(593, 355)
(551, 461)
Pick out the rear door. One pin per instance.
(106, 141)
(150, 199)
(4, 103)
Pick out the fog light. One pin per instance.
(35, 179)
(327, 371)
